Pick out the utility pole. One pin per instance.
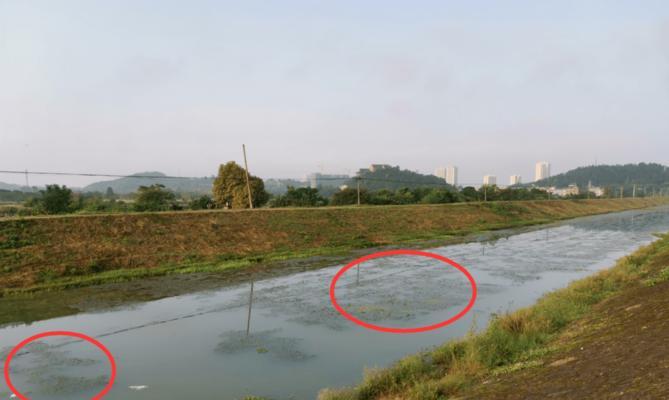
(27, 182)
(358, 179)
(622, 191)
(634, 191)
(485, 192)
(248, 184)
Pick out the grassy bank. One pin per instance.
(523, 339)
(60, 252)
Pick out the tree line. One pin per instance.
(230, 191)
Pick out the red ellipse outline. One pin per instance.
(418, 329)
(78, 335)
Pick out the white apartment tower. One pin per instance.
(449, 174)
(515, 180)
(489, 180)
(542, 170)
(452, 175)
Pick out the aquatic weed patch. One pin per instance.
(512, 342)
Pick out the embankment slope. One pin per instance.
(36, 251)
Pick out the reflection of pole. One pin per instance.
(483, 249)
(248, 320)
(357, 279)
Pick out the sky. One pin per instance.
(123, 86)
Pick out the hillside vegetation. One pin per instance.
(649, 176)
(132, 183)
(47, 252)
(386, 177)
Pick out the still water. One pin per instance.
(196, 346)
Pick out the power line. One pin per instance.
(92, 174)
(26, 172)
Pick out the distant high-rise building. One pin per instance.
(452, 175)
(514, 180)
(542, 170)
(489, 180)
(449, 174)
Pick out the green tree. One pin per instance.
(470, 193)
(230, 188)
(109, 194)
(349, 196)
(203, 202)
(154, 198)
(54, 200)
(299, 197)
(438, 196)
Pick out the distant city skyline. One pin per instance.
(487, 87)
(314, 179)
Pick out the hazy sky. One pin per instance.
(332, 86)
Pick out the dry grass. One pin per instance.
(40, 250)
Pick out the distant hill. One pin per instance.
(131, 183)
(611, 175)
(381, 176)
(11, 186)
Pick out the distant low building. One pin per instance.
(596, 191)
(515, 180)
(379, 167)
(571, 190)
(489, 180)
(317, 180)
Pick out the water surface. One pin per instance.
(196, 346)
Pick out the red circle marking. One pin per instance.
(381, 254)
(89, 339)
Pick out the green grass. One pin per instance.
(54, 253)
(512, 341)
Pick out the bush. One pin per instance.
(54, 200)
(349, 196)
(299, 197)
(155, 198)
(202, 203)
